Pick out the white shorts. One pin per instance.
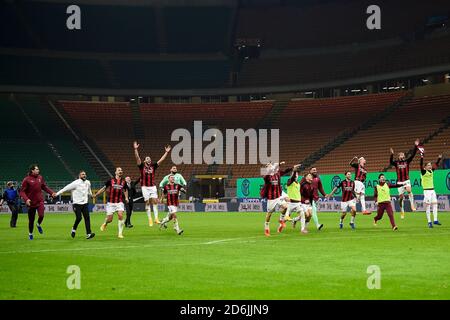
(172, 209)
(149, 192)
(114, 207)
(347, 204)
(402, 189)
(429, 196)
(273, 205)
(360, 187)
(296, 207)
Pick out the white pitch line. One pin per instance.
(243, 240)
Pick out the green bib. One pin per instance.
(427, 180)
(384, 194)
(293, 191)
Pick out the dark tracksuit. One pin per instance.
(10, 196)
(129, 205)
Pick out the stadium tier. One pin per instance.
(416, 118)
(105, 27)
(21, 146)
(360, 62)
(308, 125)
(110, 125)
(46, 71)
(302, 25)
(174, 74)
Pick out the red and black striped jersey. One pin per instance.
(347, 188)
(116, 189)
(172, 191)
(148, 174)
(272, 185)
(360, 172)
(402, 166)
(307, 191)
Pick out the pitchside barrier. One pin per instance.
(250, 187)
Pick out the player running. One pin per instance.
(402, 167)
(273, 193)
(294, 204)
(118, 192)
(148, 186)
(348, 199)
(31, 193)
(382, 197)
(307, 196)
(429, 195)
(317, 183)
(360, 177)
(171, 191)
(81, 190)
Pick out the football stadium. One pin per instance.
(225, 150)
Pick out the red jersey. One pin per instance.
(360, 172)
(172, 191)
(317, 184)
(348, 187)
(307, 192)
(272, 185)
(116, 189)
(402, 166)
(148, 174)
(31, 189)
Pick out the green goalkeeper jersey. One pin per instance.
(178, 180)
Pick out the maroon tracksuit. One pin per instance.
(317, 184)
(31, 189)
(382, 206)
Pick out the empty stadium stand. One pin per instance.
(21, 146)
(417, 118)
(307, 125)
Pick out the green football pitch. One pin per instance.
(226, 256)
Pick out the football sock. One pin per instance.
(352, 219)
(149, 213)
(400, 202)
(428, 213)
(363, 202)
(411, 198)
(155, 211)
(266, 225)
(435, 211)
(120, 224)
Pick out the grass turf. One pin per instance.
(226, 256)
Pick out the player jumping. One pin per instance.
(171, 191)
(402, 167)
(360, 177)
(307, 197)
(348, 199)
(429, 195)
(148, 186)
(118, 192)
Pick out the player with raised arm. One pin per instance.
(31, 193)
(429, 195)
(118, 193)
(402, 167)
(382, 196)
(273, 192)
(81, 190)
(148, 185)
(171, 191)
(360, 177)
(348, 199)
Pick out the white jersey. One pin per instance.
(80, 189)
